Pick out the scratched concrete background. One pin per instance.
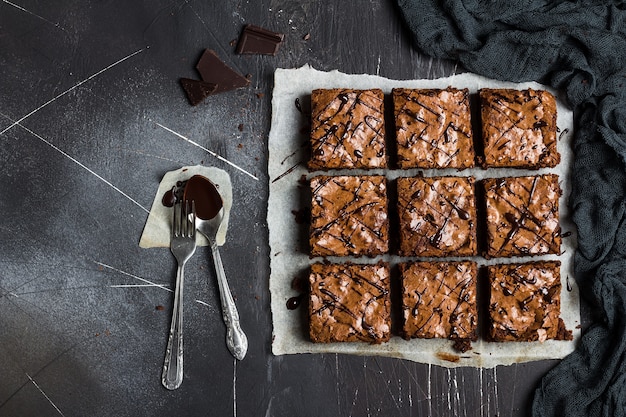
(89, 98)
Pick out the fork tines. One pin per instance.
(184, 221)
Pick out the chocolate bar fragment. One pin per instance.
(257, 40)
(349, 216)
(523, 215)
(213, 70)
(525, 302)
(439, 300)
(433, 128)
(197, 90)
(349, 303)
(437, 216)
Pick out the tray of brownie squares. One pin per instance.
(434, 214)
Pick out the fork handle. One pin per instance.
(173, 367)
(236, 339)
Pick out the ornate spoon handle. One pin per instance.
(236, 339)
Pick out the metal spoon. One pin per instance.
(209, 216)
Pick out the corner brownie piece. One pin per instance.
(525, 302)
(433, 128)
(439, 300)
(349, 303)
(347, 129)
(519, 128)
(437, 216)
(523, 215)
(349, 216)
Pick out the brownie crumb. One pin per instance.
(462, 345)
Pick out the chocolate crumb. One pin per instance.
(240, 127)
(159, 308)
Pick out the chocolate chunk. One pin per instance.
(257, 40)
(197, 90)
(213, 70)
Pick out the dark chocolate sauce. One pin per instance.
(204, 193)
(568, 286)
(298, 105)
(169, 198)
(294, 302)
(302, 216)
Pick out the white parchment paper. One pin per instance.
(288, 238)
(156, 232)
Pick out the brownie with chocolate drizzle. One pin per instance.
(349, 303)
(437, 216)
(518, 128)
(522, 215)
(347, 129)
(433, 128)
(349, 215)
(439, 300)
(525, 302)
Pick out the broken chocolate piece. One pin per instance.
(197, 90)
(257, 40)
(213, 70)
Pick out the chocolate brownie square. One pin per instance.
(437, 216)
(439, 300)
(347, 129)
(525, 302)
(433, 128)
(349, 216)
(519, 128)
(523, 215)
(349, 303)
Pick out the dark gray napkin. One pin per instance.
(580, 49)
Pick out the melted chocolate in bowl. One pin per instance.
(205, 195)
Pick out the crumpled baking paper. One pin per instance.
(288, 239)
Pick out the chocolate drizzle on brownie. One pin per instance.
(523, 215)
(349, 302)
(519, 128)
(433, 128)
(525, 302)
(439, 299)
(349, 216)
(347, 129)
(437, 216)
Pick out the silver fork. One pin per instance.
(182, 245)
